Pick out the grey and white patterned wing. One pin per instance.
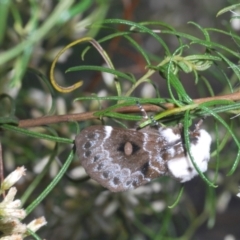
(120, 159)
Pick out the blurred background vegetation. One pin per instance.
(31, 34)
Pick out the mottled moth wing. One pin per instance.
(120, 159)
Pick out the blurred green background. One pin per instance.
(31, 34)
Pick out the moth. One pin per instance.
(123, 159)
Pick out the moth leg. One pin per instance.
(144, 113)
(145, 116)
(199, 124)
(180, 127)
(154, 122)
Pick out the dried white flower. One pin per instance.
(36, 224)
(13, 237)
(10, 208)
(12, 178)
(11, 227)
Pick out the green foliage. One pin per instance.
(201, 62)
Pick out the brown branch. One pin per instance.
(79, 116)
(130, 109)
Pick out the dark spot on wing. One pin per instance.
(88, 153)
(87, 145)
(116, 180)
(100, 166)
(134, 183)
(106, 174)
(96, 158)
(144, 168)
(92, 135)
(128, 182)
